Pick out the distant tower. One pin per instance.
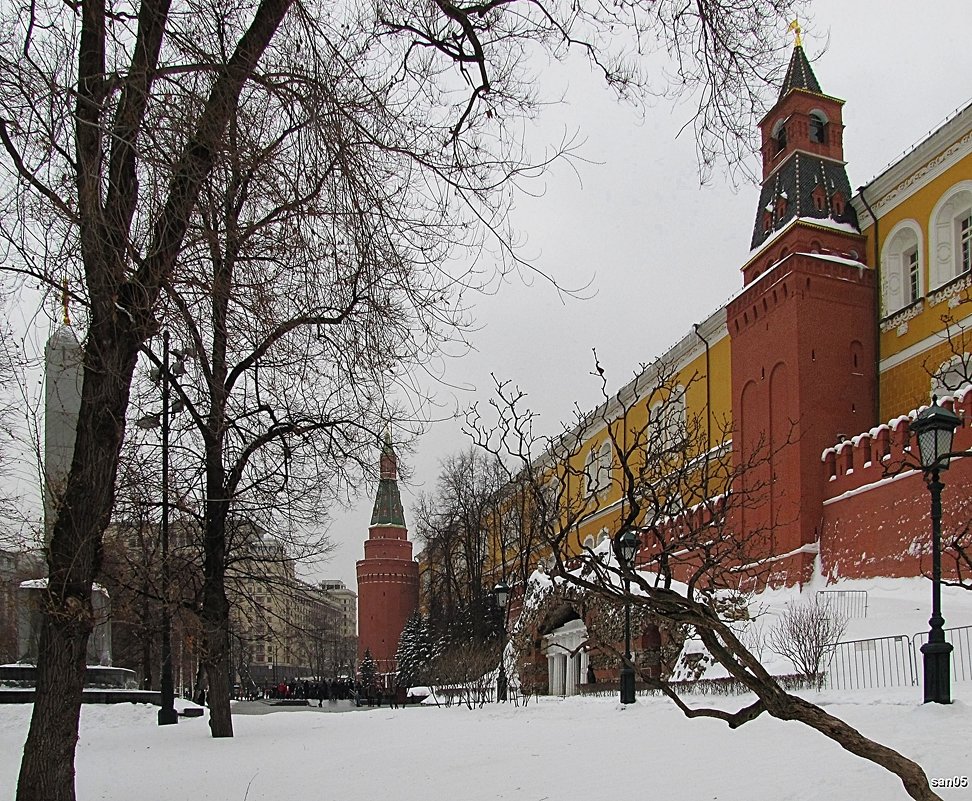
(803, 329)
(62, 402)
(388, 576)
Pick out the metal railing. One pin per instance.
(851, 604)
(893, 661)
(961, 640)
(877, 662)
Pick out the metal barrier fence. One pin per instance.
(894, 661)
(961, 640)
(877, 662)
(849, 603)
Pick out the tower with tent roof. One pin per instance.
(803, 330)
(388, 576)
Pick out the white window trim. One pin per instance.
(894, 270)
(669, 425)
(819, 114)
(943, 248)
(938, 385)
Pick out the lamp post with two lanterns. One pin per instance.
(935, 429)
(167, 712)
(626, 546)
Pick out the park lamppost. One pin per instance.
(935, 429)
(167, 712)
(502, 594)
(628, 545)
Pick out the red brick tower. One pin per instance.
(388, 576)
(803, 331)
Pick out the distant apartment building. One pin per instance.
(281, 627)
(347, 600)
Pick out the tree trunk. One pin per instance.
(215, 619)
(220, 718)
(911, 774)
(728, 651)
(47, 769)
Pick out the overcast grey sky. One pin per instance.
(663, 251)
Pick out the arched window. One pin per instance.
(605, 462)
(953, 375)
(590, 471)
(818, 127)
(597, 468)
(667, 429)
(951, 235)
(901, 267)
(779, 135)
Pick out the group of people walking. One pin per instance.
(330, 690)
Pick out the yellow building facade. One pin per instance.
(917, 217)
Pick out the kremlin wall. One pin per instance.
(853, 311)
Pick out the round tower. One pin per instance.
(388, 576)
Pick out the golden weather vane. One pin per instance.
(795, 27)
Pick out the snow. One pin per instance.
(868, 487)
(551, 748)
(589, 748)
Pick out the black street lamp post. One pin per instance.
(167, 712)
(935, 428)
(627, 549)
(502, 594)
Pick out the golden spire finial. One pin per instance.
(795, 27)
(65, 300)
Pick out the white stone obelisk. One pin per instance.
(62, 402)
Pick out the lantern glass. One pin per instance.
(502, 593)
(935, 429)
(628, 545)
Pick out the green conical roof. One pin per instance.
(388, 509)
(799, 75)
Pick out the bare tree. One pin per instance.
(805, 633)
(691, 556)
(456, 527)
(112, 119)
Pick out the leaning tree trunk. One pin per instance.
(791, 707)
(728, 651)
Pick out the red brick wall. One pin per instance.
(802, 348)
(877, 510)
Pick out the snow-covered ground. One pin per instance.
(554, 749)
(549, 750)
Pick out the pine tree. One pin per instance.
(409, 655)
(368, 671)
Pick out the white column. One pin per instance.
(570, 687)
(562, 674)
(551, 674)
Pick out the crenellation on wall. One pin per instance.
(886, 449)
(876, 507)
